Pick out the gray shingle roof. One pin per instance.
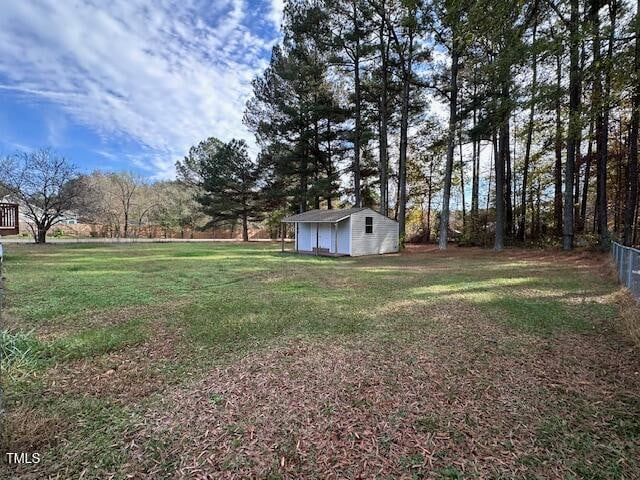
(322, 216)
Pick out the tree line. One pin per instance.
(525, 112)
(49, 189)
(218, 185)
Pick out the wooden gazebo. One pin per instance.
(8, 219)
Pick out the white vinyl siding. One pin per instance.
(383, 239)
(325, 234)
(344, 236)
(306, 237)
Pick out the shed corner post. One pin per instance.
(282, 227)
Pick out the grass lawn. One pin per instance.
(234, 361)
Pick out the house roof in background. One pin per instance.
(323, 216)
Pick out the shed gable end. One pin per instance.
(373, 233)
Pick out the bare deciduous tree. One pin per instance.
(41, 182)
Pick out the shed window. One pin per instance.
(368, 224)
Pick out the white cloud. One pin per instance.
(166, 74)
(276, 13)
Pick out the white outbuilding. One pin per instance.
(349, 231)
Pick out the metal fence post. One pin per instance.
(635, 276)
(621, 264)
(630, 269)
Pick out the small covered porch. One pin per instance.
(323, 232)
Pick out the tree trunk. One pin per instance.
(494, 157)
(538, 203)
(601, 101)
(396, 206)
(601, 148)
(357, 111)
(620, 185)
(41, 233)
(636, 224)
(316, 165)
(464, 208)
(527, 148)
(604, 230)
(475, 174)
(587, 173)
(576, 185)
(430, 195)
(245, 228)
(302, 205)
(402, 163)
(501, 160)
(383, 163)
(514, 177)
(474, 191)
(533, 212)
(508, 204)
(404, 131)
(578, 223)
(329, 165)
(557, 196)
(453, 108)
(632, 188)
(574, 125)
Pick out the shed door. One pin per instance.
(324, 235)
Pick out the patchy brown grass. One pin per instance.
(123, 376)
(481, 406)
(105, 318)
(32, 430)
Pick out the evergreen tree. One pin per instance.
(294, 112)
(228, 181)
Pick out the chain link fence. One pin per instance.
(627, 261)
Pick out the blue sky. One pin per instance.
(129, 84)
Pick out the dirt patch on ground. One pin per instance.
(367, 408)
